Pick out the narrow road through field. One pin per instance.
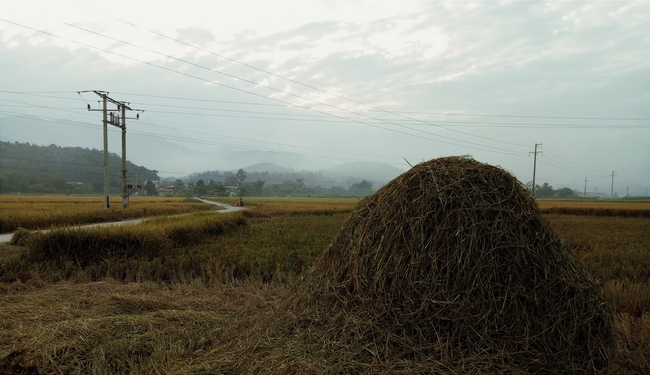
(227, 208)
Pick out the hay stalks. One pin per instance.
(450, 268)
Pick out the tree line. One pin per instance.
(547, 191)
(31, 169)
(238, 184)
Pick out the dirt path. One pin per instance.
(4, 238)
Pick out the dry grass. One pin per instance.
(114, 328)
(148, 251)
(44, 212)
(8, 251)
(203, 324)
(616, 208)
(448, 268)
(595, 204)
(615, 249)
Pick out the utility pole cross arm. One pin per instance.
(117, 120)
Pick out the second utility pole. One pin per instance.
(534, 165)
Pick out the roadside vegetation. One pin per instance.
(171, 294)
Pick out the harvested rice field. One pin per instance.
(451, 268)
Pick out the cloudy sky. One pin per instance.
(338, 81)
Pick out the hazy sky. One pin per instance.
(378, 81)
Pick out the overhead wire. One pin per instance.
(345, 118)
(580, 167)
(220, 135)
(230, 145)
(353, 156)
(483, 147)
(324, 118)
(344, 97)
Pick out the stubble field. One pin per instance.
(174, 294)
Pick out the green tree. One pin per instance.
(220, 190)
(212, 187)
(565, 193)
(189, 190)
(179, 186)
(150, 188)
(230, 181)
(241, 177)
(200, 188)
(255, 189)
(544, 191)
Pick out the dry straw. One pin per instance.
(449, 268)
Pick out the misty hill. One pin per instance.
(378, 173)
(28, 168)
(343, 175)
(182, 159)
(267, 167)
(144, 147)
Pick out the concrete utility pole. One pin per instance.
(107, 196)
(585, 193)
(612, 192)
(535, 164)
(115, 121)
(125, 193)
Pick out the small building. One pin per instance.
(163, 191)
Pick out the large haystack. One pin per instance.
(449, 268)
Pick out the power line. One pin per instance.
(581, 167)
(401, 114)
(392, 122)
(508, 152)
(345, 98)
(321, 118)
(232, 145)
(483, 147)
(530, 116)
(556, 164)
(320, 102)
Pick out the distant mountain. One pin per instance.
(378, 173)
(267, 167)
(240, 159)
(174, 160)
